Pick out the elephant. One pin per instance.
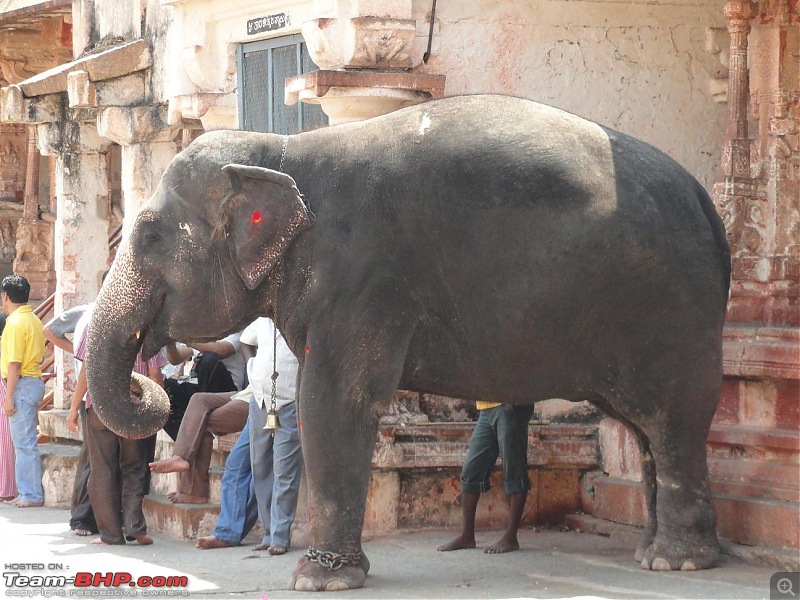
(481, 247)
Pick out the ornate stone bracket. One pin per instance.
(355, 95)
(215, 110)
(127, 125)
(361, 42)
(15, 107)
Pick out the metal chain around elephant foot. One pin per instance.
(334, 561)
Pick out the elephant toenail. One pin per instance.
(688, 566)
(645, 564)
(336, 585)
(660, 564)
(304, 584)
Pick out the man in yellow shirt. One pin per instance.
(501, 430)
(21, 353)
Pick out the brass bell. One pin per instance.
(273, 422)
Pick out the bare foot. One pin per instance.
(503, 545)
(462, 542)
(82, 532)
(276, 550)
(210, 543)
(178, 498)
(172, 464)
(143, 539)
(98, 542)
(20, 503)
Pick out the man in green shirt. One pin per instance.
(21, 354)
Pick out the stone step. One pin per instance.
(757, 521)
(222, 446)
(181, 521)
(59, 461)
(781, 558)
(190, 521)
(412, 485)
(753, 478)
(165, 483)
(764, 443)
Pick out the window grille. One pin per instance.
(263, 69)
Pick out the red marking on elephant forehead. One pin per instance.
(308, 349)
(256, 216)
(300, 424)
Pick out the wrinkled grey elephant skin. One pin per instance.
(478, 247)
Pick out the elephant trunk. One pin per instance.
(120, 314)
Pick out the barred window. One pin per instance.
(263, 68)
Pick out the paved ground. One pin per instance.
(551, 564)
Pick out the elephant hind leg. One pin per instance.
(648, 480)
(649, 483)
(681, 526)
(686, 536)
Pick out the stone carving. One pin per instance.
(12, 169)
(758, 193)
(33, 247)
(382, 44)
(716, 62)
(8, 240)
(361, 42)
(404, 410)
(15, 71)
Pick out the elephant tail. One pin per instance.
(718, 231)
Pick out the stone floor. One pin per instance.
(551, 564)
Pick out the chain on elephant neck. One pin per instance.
(283, 152)
(273, 394)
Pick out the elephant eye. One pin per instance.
(151, 237)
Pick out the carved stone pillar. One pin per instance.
(81, 238)
(735, 195)
(775, 98)
(34, 251)
(12, 189)
(736, 162)
(758, 194)
(758, 198)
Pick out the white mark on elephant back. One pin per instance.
(185, 227)
(424, 124)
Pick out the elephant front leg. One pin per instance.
(337, 447)
(341, 400)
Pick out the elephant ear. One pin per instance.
(261, 219)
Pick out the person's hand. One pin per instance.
(72, 420)
(9, 407)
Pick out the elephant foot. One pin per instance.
(313, 577)
(666, 554)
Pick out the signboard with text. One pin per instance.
(268, 23)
